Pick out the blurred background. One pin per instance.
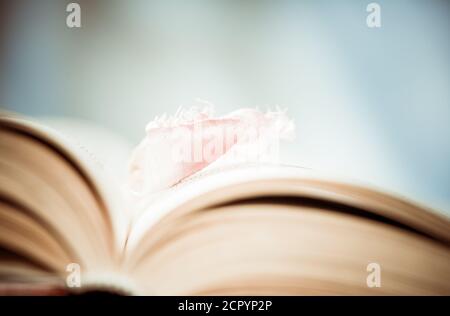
(371, 104)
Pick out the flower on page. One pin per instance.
(178, 146)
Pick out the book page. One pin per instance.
(108, 149)
(215, 186)
(100, 181)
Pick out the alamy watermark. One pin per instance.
(373, 19)
(374, 277)
(198, 144)
(73, 279)
(73, 19)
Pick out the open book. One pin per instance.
(248, 229)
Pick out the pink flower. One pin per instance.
(176, 147)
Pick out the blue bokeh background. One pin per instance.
(371, 104)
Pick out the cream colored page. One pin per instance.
(108, 149)
(105, 183)
(162, 203)
(223, 184)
